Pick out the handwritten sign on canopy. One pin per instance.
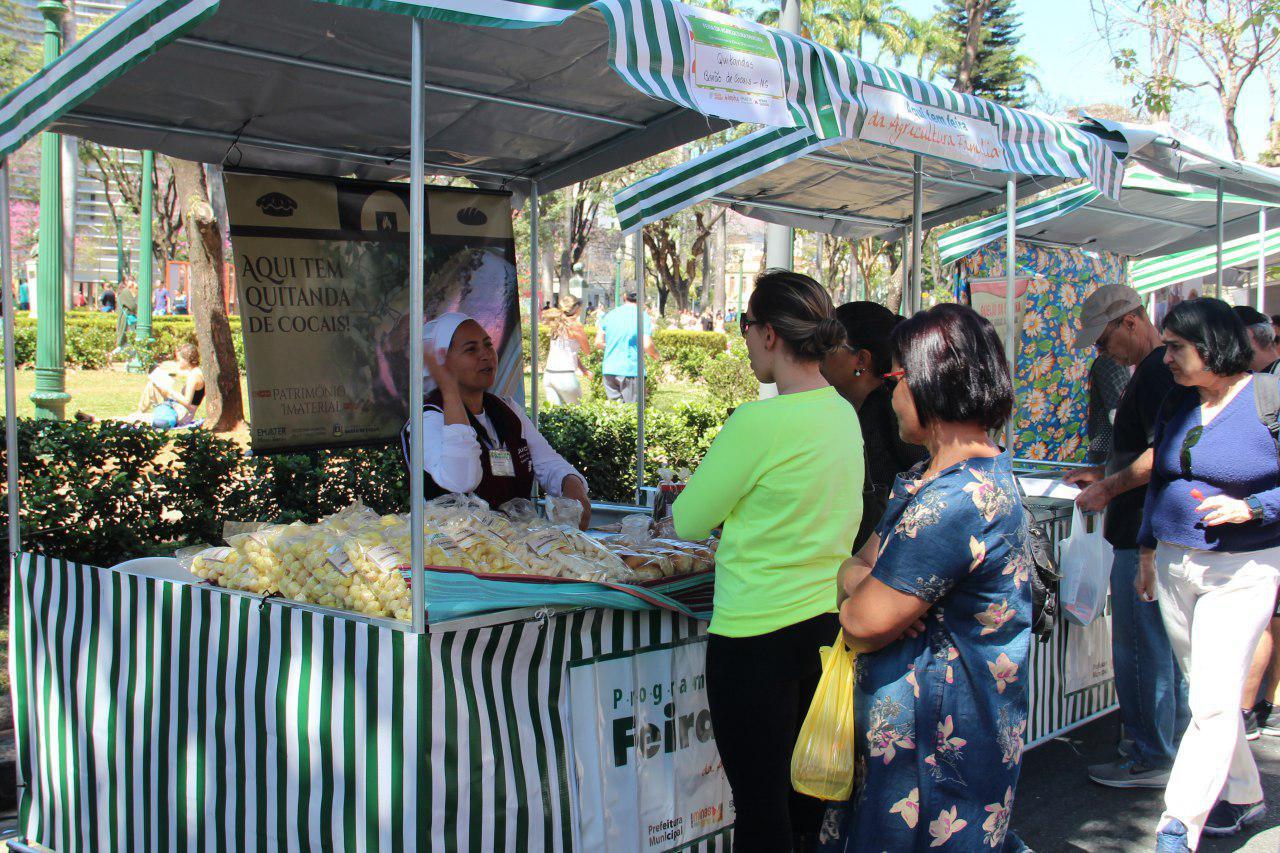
(736, 71)
(890, 118)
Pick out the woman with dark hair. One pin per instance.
(1209, 552)
(857, 371)
(784, 479)
(938, 603)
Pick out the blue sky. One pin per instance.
(1074, 68)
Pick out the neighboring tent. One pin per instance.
(1151, 213)
(1152, 274)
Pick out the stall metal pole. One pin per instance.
(1261, 297)
(640, 318)
(906, 276)
(917, 233)
(10, 371)
(535, 302)
(1010, 294)
(1218, 286)
(417, 227)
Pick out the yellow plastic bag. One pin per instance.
(822, 764)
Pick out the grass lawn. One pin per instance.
(114, 393)
(102, 393)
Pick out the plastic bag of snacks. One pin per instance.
(822, 763)
(564, 511)
(211, 564)
(260, 567)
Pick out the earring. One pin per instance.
(857, 372)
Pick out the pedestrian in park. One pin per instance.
(569, 343)
(161, 304)
(784, 479)
(24, 296)
(938, 605)
(1211, 557)
(1150, 687)
(1262, 337)
(1107, 380)
(620, 335)
(107, 301)
(857, 371)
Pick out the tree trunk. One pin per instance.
(224, 408)
(1229, 119)
(721, 270)
(976, 11)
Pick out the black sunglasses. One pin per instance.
(745, 322)
(1184, 457)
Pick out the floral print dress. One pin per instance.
(941, 718)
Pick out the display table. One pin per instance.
(161, 713)
(156, 713)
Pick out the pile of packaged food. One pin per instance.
(358, 560)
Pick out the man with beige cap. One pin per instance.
(1149, 684)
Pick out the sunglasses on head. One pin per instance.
(1184, 457)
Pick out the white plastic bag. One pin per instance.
(1086, 571)
(1089, 661)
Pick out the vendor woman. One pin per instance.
(478, 442)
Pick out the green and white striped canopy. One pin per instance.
(252, 79)
(962, 240)
(321, 87)
(1146, 276)
(1152, 212)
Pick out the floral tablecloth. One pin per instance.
(1052, 379)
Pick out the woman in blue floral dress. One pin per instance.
(939, 607)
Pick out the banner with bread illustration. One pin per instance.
(322, 270)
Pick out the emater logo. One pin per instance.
(276, 204)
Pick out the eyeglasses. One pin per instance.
(895, 375)
(1184, 458)
(745, 322)
(1106, 333)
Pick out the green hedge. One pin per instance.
(107, 492)
(90, 336)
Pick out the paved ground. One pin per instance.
(1059, 809)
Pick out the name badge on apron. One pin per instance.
(501, 464)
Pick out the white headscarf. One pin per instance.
(437, 337)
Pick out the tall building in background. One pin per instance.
(91, 222)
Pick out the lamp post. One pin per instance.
(145, 254)
(50, 396)
(617, 278)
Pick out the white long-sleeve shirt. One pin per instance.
(452, 453)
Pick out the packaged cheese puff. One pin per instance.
(261, 565)
(488, 552)
(209, 564)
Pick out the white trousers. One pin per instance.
(562, 387)
(1215, 606)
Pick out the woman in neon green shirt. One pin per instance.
(785, 482)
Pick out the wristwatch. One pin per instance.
(1255, 508)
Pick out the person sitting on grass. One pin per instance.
(175, 390)
(175, 386)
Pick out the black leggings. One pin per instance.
(759, 689)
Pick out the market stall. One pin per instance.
(293, 733)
